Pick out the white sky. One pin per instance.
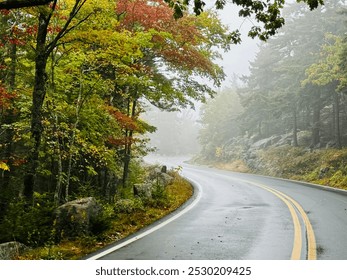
(236, 61)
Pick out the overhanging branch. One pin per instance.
(15, 4)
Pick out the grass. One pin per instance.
(236, 165)
(121, 225)
(325, 167)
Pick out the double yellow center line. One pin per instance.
(294, 207)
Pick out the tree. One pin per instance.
(274, 96)
(180, 49)
(256, 97)
(327, 72)
(44, 47)
(12, 41)
(266, 13)
(220, 124)
(77, 77)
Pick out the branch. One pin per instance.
(77, 7)
(16, 4)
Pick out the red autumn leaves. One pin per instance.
(178, 42)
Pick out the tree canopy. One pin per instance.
(267, 14)
(75, 78)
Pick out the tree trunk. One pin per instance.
(13, 66)
(39, 93)
(260, 132)
(58, 187)
(317, 106)
(295, 128)
(128, 144)
(73, 137)
(307, 117)
(337, 120)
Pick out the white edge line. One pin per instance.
(153, 229)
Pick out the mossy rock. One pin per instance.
(75, 218)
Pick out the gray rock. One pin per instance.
(285, 139)
(75, 218)
(143, 190)
(9, 250)
(264, 143)
(304, 138)
(331, 144)
(158, 176)
(164, 179)
(153, 173)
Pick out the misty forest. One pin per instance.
(287, 118)
(89, 88)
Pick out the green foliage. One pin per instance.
(97, 67)
(287, 161)
(160, 198)
(103, 221)
(137, 174)
(128, 206)
(117, 221)
(29, 224)
(327, 70)
(268, 14)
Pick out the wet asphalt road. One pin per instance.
(234, 217)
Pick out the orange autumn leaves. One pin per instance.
(177, 42)
(126, 123)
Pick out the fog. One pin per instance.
(177, 132)
(236, 61)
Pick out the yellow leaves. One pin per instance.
(7, 60)
(4, 166)
(327, 69)
(219, 152)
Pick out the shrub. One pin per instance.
(160, 198)
(28, 224)
(103, 221)
(128, 205)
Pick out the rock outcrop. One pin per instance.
(75, 218)
(10, 250)
(143, 190)
(157, 177)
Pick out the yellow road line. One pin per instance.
(296, 252)
(311, 241)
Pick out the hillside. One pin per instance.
(272, 157)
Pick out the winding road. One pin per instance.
(243, 217)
